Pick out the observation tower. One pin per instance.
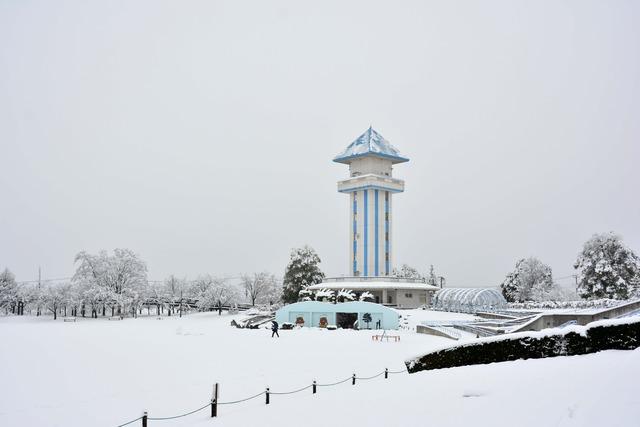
(370, 188)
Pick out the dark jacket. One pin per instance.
(274, 326)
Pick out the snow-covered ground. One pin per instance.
(103, 373)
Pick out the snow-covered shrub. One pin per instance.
(608, 268)
(305, 295)
(541, 305)
(607, 335)
(345, 296)
(286, 325)
(367, 296)
(326, 295)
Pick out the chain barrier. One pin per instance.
(132, 421)
(232, 402)
(371, 377)
(332, 384)
(292, 392)
(241, 400)
(179, 416)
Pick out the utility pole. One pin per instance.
(39, 289)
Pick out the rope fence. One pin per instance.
(214, 402)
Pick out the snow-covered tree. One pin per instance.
(8, 290)
(367, 296)
(220, 293)
(174, 293)
(260, 287)
(199, 288)
(345, 295)
(273, 293)
(608, 268)
(406, 272)
(302, 271)
(54, 296)
(121, 277)
(530, 281)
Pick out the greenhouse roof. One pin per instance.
(468, 299)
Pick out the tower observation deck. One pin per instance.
(370, 188)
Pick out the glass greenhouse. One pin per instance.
(468, 300)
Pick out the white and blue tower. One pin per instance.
(370, 188)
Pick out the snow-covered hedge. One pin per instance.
(596, 303)
(614, 334)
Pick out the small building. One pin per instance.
(391, 291)
(343, 315)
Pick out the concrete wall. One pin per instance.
(423, 329)
(416, 298)
(364, 165)
(554, 320)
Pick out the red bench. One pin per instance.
(395, 338)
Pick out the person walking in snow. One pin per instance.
(274, 329)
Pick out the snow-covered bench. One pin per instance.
(69, 319)
(115, 318)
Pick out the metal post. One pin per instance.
(214, 401)
(266, 394)
(144, 419)
(386, 373)
(314, 386)
(353, 379)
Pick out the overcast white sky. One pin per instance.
(200, 133)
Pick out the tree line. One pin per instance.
(117, 284)
(605, 268)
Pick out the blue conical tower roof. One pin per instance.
(370, 143)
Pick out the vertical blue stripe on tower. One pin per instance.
(355, 231)
(366, 232)
(377, 273)
(386, 232)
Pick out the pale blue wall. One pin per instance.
(311, 311)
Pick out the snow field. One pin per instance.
(103, 373)
(62, 374)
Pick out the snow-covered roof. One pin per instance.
(377, 285)
(370, 143)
